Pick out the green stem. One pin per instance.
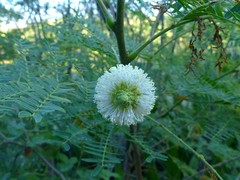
(117, 27)
(200, 156)
(135, 53)
(107, 15)
(118, 30)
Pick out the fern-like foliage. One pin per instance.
(50, 126)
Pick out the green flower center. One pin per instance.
(124, 96)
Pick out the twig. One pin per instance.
(169, 110)
(6, 141)
(135, 53)
(162, 116)
(227, 73)
(169, 42)
(49, 165)
(215, 166)
(200, 156)
(15, 159)
(107, 15)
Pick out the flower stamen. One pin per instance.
(125, 96)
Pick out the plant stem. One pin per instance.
(135, 53)
(200, 156)
(107, 15)
(7, 141)
(215, 166)
(172, 108)
(50, 165)
(118, 30)
(117, 27)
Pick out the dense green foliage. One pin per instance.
(50, 127)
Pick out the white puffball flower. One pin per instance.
(124, 94)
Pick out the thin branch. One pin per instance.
(169, 42)
(3, 136)
(162, 116)
(215, 166)
(227, 73)
(200, 156)
(154, 27)
(107, 15)
(170, 109)
(6, 141)
(129, 25)
(135, 53)
(49, 165)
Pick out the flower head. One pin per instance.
(124, 94)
